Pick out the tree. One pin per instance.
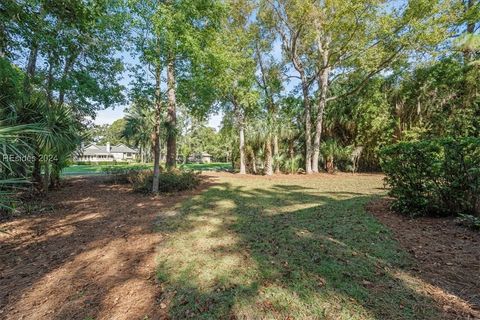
(269, 81)
(333, 40)
(236, 78)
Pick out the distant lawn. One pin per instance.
(286, 248)
(76, 170)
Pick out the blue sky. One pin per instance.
(108, 116)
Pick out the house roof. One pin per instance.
(94, 149)
(122, 148)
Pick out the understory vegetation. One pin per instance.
(141, 179)
(297, 86)
(434, 177)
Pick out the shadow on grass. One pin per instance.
(283, 251)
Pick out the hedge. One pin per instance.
(434, 177)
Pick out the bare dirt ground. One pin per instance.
(446, 256)
(90, 257)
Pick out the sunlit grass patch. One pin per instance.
(280, 248)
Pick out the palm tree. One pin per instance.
(138, 130)
(258, 141)
(331, 152)
(15, 146)
(63, 139)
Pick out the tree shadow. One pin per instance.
(284, 252)
(93, 257)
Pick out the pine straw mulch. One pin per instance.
(446, 257)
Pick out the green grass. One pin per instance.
(80, 170)
(260, 248)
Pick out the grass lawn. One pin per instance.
(286, 248)
(80, 170)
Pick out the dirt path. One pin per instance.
(93, 256)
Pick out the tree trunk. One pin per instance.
(291, 152)
(3, 41)
(322, 101)
(242, 148)
(308, 129)
(69, 61)
(468, 54)
(330, 166)
(276, 154)
(49, 89)
(31, 67)
(55, 176)
(171, 115)
(156, 130)
(268, 157)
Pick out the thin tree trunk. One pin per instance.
(69, 61)
(171, 115)
(49, 90)
(31, 67)
(291, 152)
(275, 154)
(241, 133)
(3, 41)
(308, 129)
(468, 54)
(322, 101)
(271, 112)
(156, 130)
(268, 157)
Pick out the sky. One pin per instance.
(108, 116)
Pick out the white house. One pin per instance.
(96, 153)
(202, 157)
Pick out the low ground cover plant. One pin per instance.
(141, 180)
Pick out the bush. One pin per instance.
(172, 181)
(469, 221)
(122, 173)
(434, 177)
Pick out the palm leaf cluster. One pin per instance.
(34, 138)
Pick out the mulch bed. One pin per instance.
(445, 255)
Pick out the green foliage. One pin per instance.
(292, 165)
(434, 177)
(331, 152)
(170, 181)
(469, 221)
(113, 133)
(11, 81)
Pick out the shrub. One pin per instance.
(469, 221)
(141, 181)
(434, 177)
(119, 174)
(172, 181)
